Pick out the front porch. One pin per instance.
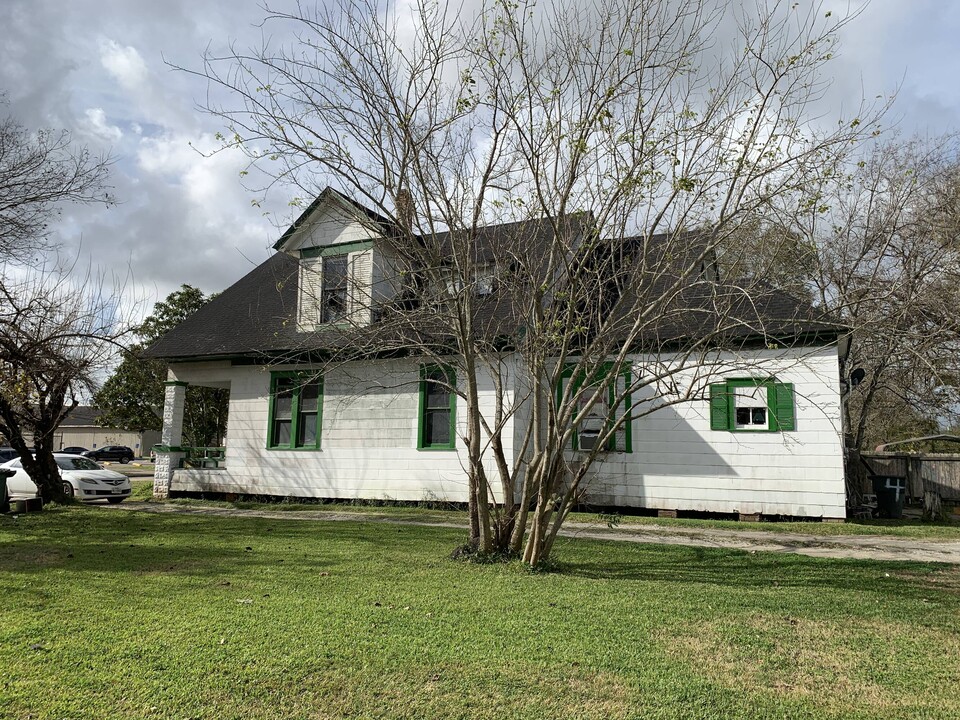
(178, 465)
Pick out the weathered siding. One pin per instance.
(368, 440)
(332, 227)
(388, 277)
(678, 462)
(369, 444)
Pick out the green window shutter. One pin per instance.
(628, 410)
(719, 407)
(783, 411)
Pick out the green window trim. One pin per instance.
(603, 373)
(424, 441)
(781, 412)
(341, 249)
(299, 416)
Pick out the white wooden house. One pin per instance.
(766, 441)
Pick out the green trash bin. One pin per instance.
(891, 491)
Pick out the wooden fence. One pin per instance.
(936, 473)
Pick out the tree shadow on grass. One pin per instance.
(738, 568)
(83, 539)
(88, 539)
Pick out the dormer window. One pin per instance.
(486, 278)
(335, 282)
(336, 287)
(484, 281)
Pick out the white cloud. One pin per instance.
(206, 179)
(97, 124)
(124, 64)
(207, 212)
(97, 68)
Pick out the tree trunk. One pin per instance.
(38, 463)
(932, 506)
(43, 470)
(474, 516)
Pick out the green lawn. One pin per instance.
(942, 531)
(129, 615)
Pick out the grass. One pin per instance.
(141, 490)
(936, 531)
(133, 615)
(947, 531)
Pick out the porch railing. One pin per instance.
(203, 457)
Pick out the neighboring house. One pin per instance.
(385, 429)
(80, 429)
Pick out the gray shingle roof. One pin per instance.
(256, 316)
(81, 416)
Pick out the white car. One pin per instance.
(82, 478)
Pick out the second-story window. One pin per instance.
(333, 295)
(486, 278)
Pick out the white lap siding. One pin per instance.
(369, 443)
(368, 439)
(679, 463)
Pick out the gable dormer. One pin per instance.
(343, 263)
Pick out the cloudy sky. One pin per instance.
(99, 68)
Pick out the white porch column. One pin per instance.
(169, 453)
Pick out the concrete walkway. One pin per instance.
(866, 547)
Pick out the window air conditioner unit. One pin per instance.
(588, 439)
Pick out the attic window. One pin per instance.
(333, 294)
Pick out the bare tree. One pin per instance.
(39, 171)
(587, 162)
(58, 334)
(887, 240)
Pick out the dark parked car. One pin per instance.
(8, 453)
(111, 452)
(74, 450)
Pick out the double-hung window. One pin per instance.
(438, 408)
(752, 405)
(335, 281)
(336, 285)
(296, 409)
(611, 407)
